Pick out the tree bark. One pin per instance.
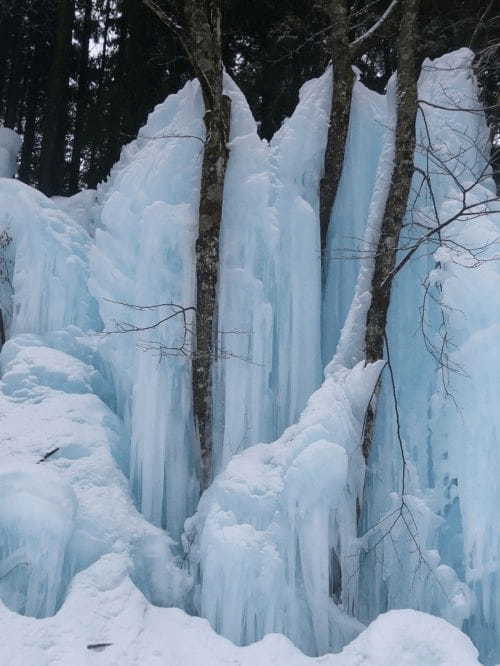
(14, 87)
(25, 172)
(56, 109)
(344, 53)
(205, 28)
(395, 208)
(81, 101)
(92, 177)
(202, 41)
(342, 83)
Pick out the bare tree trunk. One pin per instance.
(206, 36)
(344, 53)
(14, 88)
(93, 172)
(81, 101)
(395, 208)
(56, 108)
(25, 172)
(201, 38)
(343, 79)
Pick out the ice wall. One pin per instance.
(143, 256)
(269, 298)
(441, 553)
(269, 528)
(362, 182)
(269, 289)
(247, 518)
(60, 514)
(290, 537)
(43, 264)
(10, 144)
(422, 549)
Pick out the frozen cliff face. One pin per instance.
(291, 536)
(10, 144)
(275, 536)
(60, 515)
(269, 334)
(362, 187)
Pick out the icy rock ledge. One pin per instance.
(104, 610)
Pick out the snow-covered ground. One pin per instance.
(106, 621)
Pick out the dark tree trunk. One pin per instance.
(119, 90)
(26, 167)
(5, 42)
(205, 28)
(93, 171)
(344, 53)
(14, 87)
(395, 208)
(202, 41)
(56, 109)
(343, 79)
(81, 101)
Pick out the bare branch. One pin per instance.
(362, 41)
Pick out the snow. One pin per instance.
(105, 609)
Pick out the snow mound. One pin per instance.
(107, 621)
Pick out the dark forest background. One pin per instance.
(78, 77)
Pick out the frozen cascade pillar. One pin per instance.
(10, 144)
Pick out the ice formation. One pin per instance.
(296, 535)
(60, 513)
(58, 517)
(107, 621)
(143, 255)
(420, 550)
(10, 143)
(270, 282)
(269, 530)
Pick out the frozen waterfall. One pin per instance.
(298, 534)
